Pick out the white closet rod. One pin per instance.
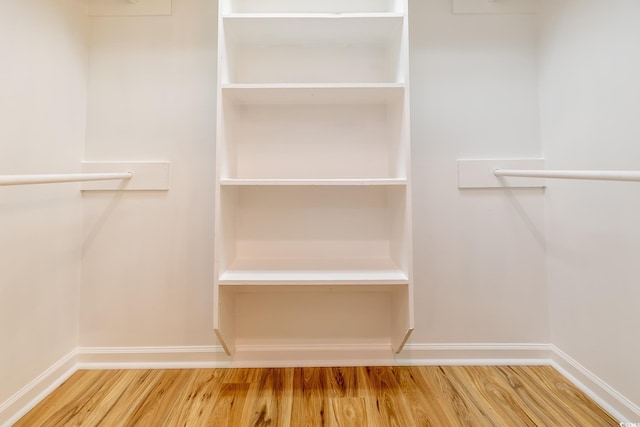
(58, 178)
(572, 174)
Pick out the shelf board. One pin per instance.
(309, 15)
(311, 7)
(314, 182)
(301, 287)
(316, 93)
(314, 29)
(376, 272)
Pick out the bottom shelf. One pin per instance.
(284, 319)
(374, 271)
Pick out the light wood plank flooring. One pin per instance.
(299, 397)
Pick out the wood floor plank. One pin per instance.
(240, 375)
(161, 399)
(425, 404)
(300, 397)
(130, 385)
(347, 412)
(367, 391)
(229, 406)
(546, 411)
(196, 406)
(341, 382)
(505, 407)
(80, 410)
(309, 398)
(60, 404)
(270, 399)
(390, 408)
(577, 405)
(459, 410)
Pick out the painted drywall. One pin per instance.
(148, 256)
(479, 256)
(43, 64)
(589, 67)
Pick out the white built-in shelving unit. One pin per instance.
(313, 202)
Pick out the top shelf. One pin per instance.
(350, 93)
(312, 6)
(322, 15)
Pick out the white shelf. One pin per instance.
(314, 94)
(311, 6)
(314, 182)
(373, 272)
(311, 287)
(308, 15)
(313, 206)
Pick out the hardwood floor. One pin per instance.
(299, 397)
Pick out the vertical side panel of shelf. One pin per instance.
(403, 301)
(225, 321)
(225, 250)
(228, 149)
(401, 318)
(223, 303)
(397, 149)
(408, 196)
(402, 322)
(226, 6)
(399, 228)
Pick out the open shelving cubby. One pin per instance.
(312, 49)
(313, 234)
(313, 132)
(313, 203)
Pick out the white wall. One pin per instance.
(590, 63)
(43, 56)
(147, 261)
(147, 277)
(479, 254)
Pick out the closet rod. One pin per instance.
(598, 175)
(58, 178)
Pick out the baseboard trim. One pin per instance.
(267, 356)
(602, 393)
(276, 356)
(40, 387)
(475, 354)
(191, 357)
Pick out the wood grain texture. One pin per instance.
(344, 397)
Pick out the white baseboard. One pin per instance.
(475, 354)
(606, 396)
(253, 356)
(269, 356)
(34, 392)
(192, 357)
